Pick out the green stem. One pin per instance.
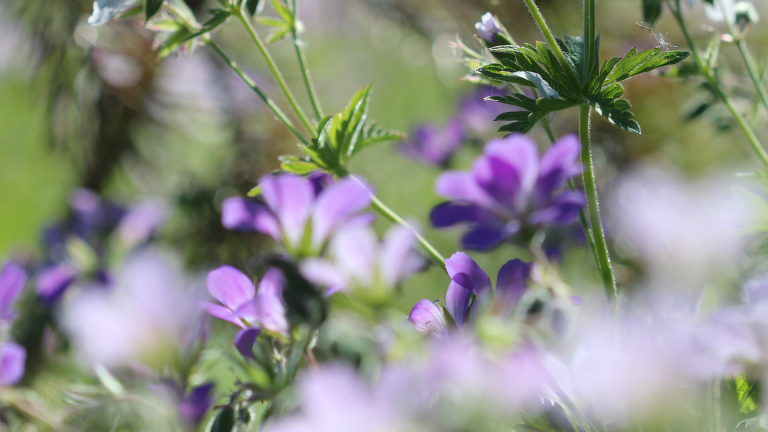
(552, 43)
(275, 72)
(297, 44)
(393, 217)
(715, 420)
(706, 71)
(270, 103)
(582, 215)
(609, 283)
(749, 61)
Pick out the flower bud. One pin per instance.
(488, 27)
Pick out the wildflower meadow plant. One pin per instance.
(657, 322)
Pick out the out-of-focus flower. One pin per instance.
(357, 260)
(467, 278)
(478, 114)
(52, 281)
(142, 317)
(13, 279)
(510, 190)
(739, 12)
(293, 214)
(684, 233)
(194, 405)
(488, 28)
(13, 357)
(243, 305)
(105, 10)
(141, 221)
(434, 145)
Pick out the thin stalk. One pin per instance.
(276, 72)
(713, 397)
(393, 217)
(297, 44)
(609, 283)
(582, 215)
(270, 103)
(552, 43)
(707, 72)
(749, 61)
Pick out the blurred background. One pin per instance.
(85, 107)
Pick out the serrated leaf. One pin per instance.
(518, 100)
(372, 133)
(660, 60)
(629, 62)
(151, 7)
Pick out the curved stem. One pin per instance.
(297, 44)
(706, 71)
(609, 283)
(270, 103)
(552, 43)
(276, 72)
(582, 215)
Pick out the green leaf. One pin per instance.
(652, 11)
(271, 22)
(372, 133)
(295, 165)
(282, 11)
(219, 16)
(172, 41)
(254, 192)
(251, 6)
(151, 7)
(225, 420)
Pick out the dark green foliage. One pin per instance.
(340, 137)
(538, 68)
(306, 304)
(151, 7)
(251, 6)
(652, 10)
(225, 420)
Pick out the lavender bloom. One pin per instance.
(195, 404)
(468, 278)
(142, 318)
(52, 281)
(478, 114)
(13, 279)
(141, 221)
(357, 260)
(292, 210)
(509, 191)
(434, 145)
(13, 357)
(243, 305)
(488, 28)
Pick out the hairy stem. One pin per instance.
(270, 103)
(552, 43)
(609, 283)
(582, 215)
(706, 71)
(298, 45)
(276, 72)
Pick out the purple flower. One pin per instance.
(479, 114)
(141, 221)
(467, 278)
(510, 190)
(243, 305)
(434, 145)
(195, 404)
(488, 28)
(12, 360)
(13, 279)
(53, 281)
(293, 214)
(142, 317)
(358, 260)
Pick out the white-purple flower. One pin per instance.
(468, 279)
(488, 27)
(141, 222)
(357, 260)
(294, 214)
(510, 190)
(434, 145)
(13, 279)
(244, 306)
